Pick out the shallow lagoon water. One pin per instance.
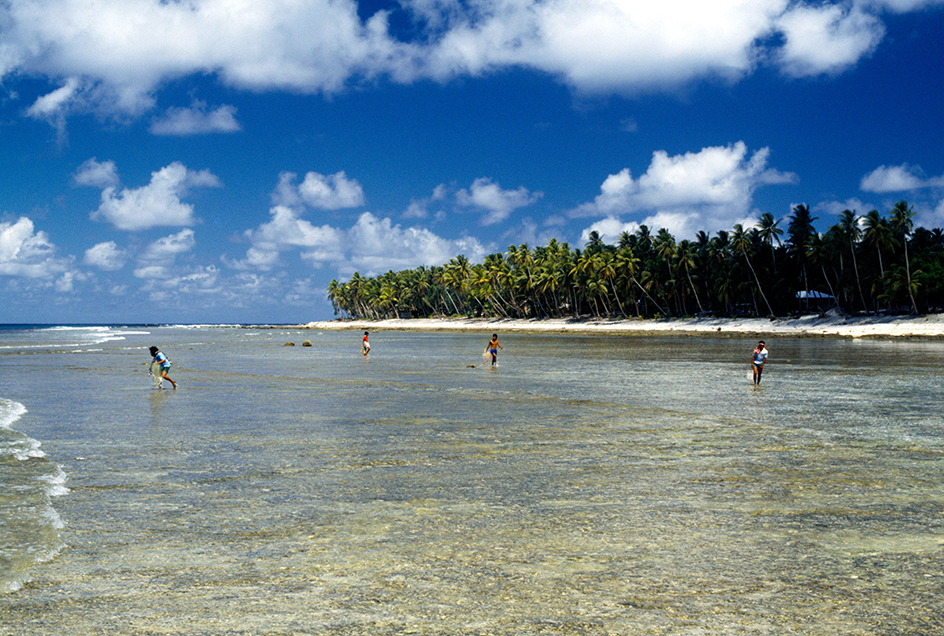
(587, 485)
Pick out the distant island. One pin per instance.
(866, 268)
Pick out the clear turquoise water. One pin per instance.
(587, 485)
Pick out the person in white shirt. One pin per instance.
(758, 358)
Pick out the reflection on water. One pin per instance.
(588, 485)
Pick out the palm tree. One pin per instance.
(851, 231)
(334, 295)
(878, 234)
(594, 242)
(606, 268)
(769, 232)
(388, 299)
(819, 251)
(741, 241)
(686, 255)
(627, 264)
(901, 223)
(801, 231)
(625, 240)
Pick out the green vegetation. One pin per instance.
(869, 263)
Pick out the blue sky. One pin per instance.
(222, 160)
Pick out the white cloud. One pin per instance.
(609, 229)
(371, 246)
(54, 107)
(133, 45)
(897, 179)
(169, 247)
(834, 208)
(903, 6)
(331, 192)
(151, 271)
(98, 175)
(196, 120)
(28, 253)
(65, 283)
(378, 245)
(54, 104)
(498, 204)
(159, 258)
(198, 285)
(923, 191)
(707, 190)
(287, 230)
(826, 38)
(106, 256)
(156, 204)
(112, 55)
(932, 218)
(419, 208)
(323, 192)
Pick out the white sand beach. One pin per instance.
(813, 325)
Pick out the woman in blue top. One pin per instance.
(162, 360)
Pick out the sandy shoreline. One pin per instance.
(929, 326)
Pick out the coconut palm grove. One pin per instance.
(870, 263)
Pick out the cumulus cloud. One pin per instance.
(131, 46)
(25, 252)
(903, 6)
(97, 175)
(106, 256)
(158, 259)
(901, 178)
(706, 190)
(287, 230)
(377, 245)
(925, 192)
(419, 208)
(112, 55)
(156, 204)
(372, 245)
(826, 38)
(54, 107)
(323, 192)
(609, 229)
(65, 283)
(169, 247)
(196, 120)
(835, 208)
(498, 204)
(331, 192)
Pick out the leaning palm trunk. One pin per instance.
(658, 306)
(757, 280)
(855, 266)
(616, 296)
(694, 291)
(881, 267)
(830, 285)
(914, 306)
(497, 304)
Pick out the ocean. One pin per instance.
(587, 484)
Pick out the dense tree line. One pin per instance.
(867, 263)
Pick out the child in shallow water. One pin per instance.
(493, 348)
(164, 363)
